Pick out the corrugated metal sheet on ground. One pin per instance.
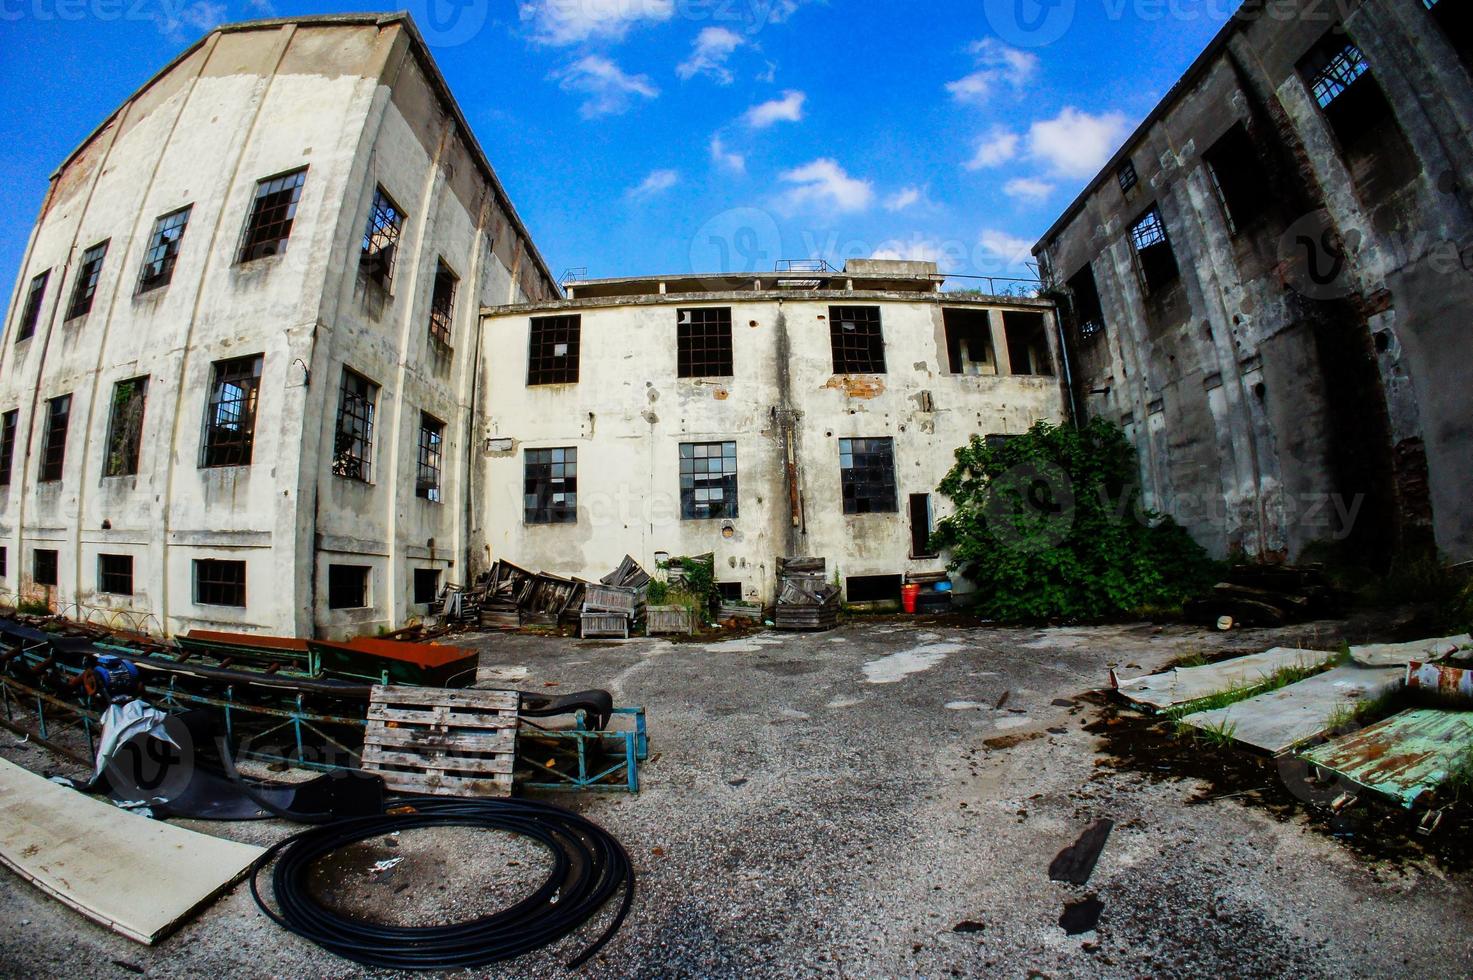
(1402, 757)
(1282, 719)
(1400, 654)
(1187, 684)
(1448, 682)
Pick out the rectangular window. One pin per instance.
(551, 486)
(43, 567)
(1027, 343)
(115, 574)
(442, 305)
(219, 583)
(1089, 316)
(703, 343)
(708, 481)
(230, 418)
(873, 588)
(426, 586)
(857, 340)
(31, 314)
(9, 423)
(1126, 175)
(53, 444)
(347, 586)
(431, 443)
(274, 208)
(1237, 177)
(1153, 252)
(969, 342)
(4, 561)
(920, 526)
(163, 250)
(1340, 79)
(85, 288)
(552, 353)
(867, 472)
(381, 240)
(352, 447)
(125, 428)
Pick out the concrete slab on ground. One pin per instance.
(1187, 684)
(1279, 720)
(1401, 654)
(1404, 757)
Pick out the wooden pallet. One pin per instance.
(442, 743)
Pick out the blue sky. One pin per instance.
(661, 136)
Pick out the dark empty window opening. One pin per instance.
(352, 446)
(998, 441)
(230, 417)
(219, 583)
(4, 561)
(1027, 343)
(163, 250)
(426, 586)
(969, 342)
(115, 574)
(347, 586)
(53, 445)
(708, 481)
(873, 588)
(1153, 251)
(442, 305)
(431, 448)
(380, 240)
(31, 313)
(1237, 177)
(272, 211)
(9, 423)
(552, 353)
(1341, 81)
(1126, 175)
(857, 339)
(920, 526)
(730, 591)
(867, 473)
(703, 343)
(43, 566)
(125, 428)
(85, 288)
(551, 489)
(1455, 17)
(1089, 316)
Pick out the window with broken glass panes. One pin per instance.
(219, 583)
(53, 445)
(442, 305)
(708, 481)
(703, 343)
(552, 350)
(347, 586)
(1126, 176)
(44, 563)
(1340, 66)
(352, 449)
(125, 428)
(857, 339)
(380, 240)
(163, 250)
(551, 487)
(431, 438)
(1156, 260)
(31, 315)
(85, 288)
(8, 426)
(273, 210)
(230, 417)
(867, 472)
(115, 574)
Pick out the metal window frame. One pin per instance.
(703, 473)
(547, 475)
(545, 366)
(860, 350)
(703, 347)
(9, 429)
(30, 315)
(125, 443)
(54, 557)
(363, 584)
(241, 378)
(1341, 70)
(1126, 176)
(431, 454)
(84, 290)
(381, 233)
(109, 577)
(352, 447)
(219, 586)
(442, 304)
(53, 440)
(163, 249)
(867, 475)
(273, 210)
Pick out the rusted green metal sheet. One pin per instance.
(1405, 757)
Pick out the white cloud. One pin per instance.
(824, 184)
(1028, 189)
(996, 64)
(562, 22)
(713, 46)
(770, 74)
(1009, 248)
(201, 17)
(919, 250)
(904, 198)
(789, 108)
(657, 182)
(727, 158)
(997, 148)
(607, 88)
(1074, 143)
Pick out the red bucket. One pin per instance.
(908, 596)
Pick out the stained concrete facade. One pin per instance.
(358, 103)
(1302, 377)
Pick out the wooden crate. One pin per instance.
(442, 743)
(663, 620)
(609, 625)
(613, 599)
(735, 610)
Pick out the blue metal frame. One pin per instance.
(577, 744)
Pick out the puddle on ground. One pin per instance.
(898, 666)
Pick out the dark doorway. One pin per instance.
(920, 526)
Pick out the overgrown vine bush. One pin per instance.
(1049, 526)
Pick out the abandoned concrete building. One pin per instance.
(1269, 285)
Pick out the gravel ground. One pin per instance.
(837, 804)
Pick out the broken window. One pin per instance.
(1126, 175)
(219, 583)
(8, 426)
(969, 342)
(230, 417)
(708, 481)
(551, 486)
(552, 353)
(352, 447)
(347, 586)
(442, 305)
(1340, 79)
(43, 566)
(431, 439)
(125, 428)
(1027, 343)
(1089, 316)
(1153, 252)
(115, 574)
(1455, 17)
(1237, 177)
(85, 288)
(867, 472)
(53, 444)
(163, 250)
(272, 212)
(380, 240)
(703, 343)
(857, 339)
(426, 586)
(31, 314)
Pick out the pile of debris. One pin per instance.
(1269, 595)
(805, 601)
(509, 597)
(613, 605)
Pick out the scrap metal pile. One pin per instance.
(805, 600)
(1264, 595)
(509, 597)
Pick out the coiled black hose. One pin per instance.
(589, 866)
